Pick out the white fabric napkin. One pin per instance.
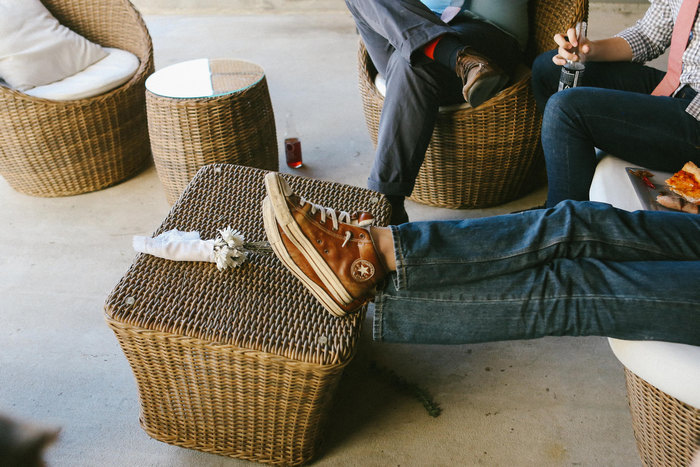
(176, 245)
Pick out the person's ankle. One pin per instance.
(383, 239)
(398, 211)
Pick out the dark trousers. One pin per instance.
(614, 112)
(394, 32)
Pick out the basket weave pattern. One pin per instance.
(488, 155)
(60, 148)
(667, 430)
(186, 134)
(241, 362)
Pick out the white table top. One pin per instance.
(204, 78)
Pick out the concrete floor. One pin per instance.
(554, 401)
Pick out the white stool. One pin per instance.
(663, 379)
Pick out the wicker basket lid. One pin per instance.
(259, 305)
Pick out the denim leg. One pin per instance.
(442, 254)
(642, 300)
(545, 78)
(612, 111)
(623, 76)
(581, 268)
(651, 131)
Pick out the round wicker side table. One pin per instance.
(209, 111)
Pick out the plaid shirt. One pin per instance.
(651, 36)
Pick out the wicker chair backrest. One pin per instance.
(548, 17)
(110, 23)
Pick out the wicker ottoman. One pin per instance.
(209, 111)
(242, 362)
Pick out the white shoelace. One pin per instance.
(344, 217)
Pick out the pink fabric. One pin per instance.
(679, 41)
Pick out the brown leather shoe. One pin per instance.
(331, 252)
(481, 79)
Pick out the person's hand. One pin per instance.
(571, 47)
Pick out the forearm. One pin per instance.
(613, 49)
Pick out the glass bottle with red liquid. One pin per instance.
(292, 145)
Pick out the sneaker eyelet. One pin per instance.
(319, 241)
(325, 251)
(362, 235)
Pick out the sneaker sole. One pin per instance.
(282, 254)
(277, 189)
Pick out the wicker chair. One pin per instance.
(52, 148)
(489, 155)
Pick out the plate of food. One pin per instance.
(680, 192)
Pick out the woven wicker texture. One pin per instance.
(667, 430)
(241, 362)
(237, 127)
(488, 155)
(233, 75)
(52, 148)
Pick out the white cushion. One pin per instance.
(612, 185)
(380, 83)
(107, 74)
(36, 50)
(672, 368)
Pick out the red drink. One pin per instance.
(292, 150)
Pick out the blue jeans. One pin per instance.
(613, 112)
(581, 268)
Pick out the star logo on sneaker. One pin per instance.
(362, 270)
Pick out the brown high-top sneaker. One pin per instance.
(331, 252)
(481, 79)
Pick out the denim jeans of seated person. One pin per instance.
(580, 268)
(612, 111)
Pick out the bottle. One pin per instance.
(572, 72)
(292, 145)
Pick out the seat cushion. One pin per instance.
(35, 49)
(672, 368)
(611, 185)
(107, 74)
